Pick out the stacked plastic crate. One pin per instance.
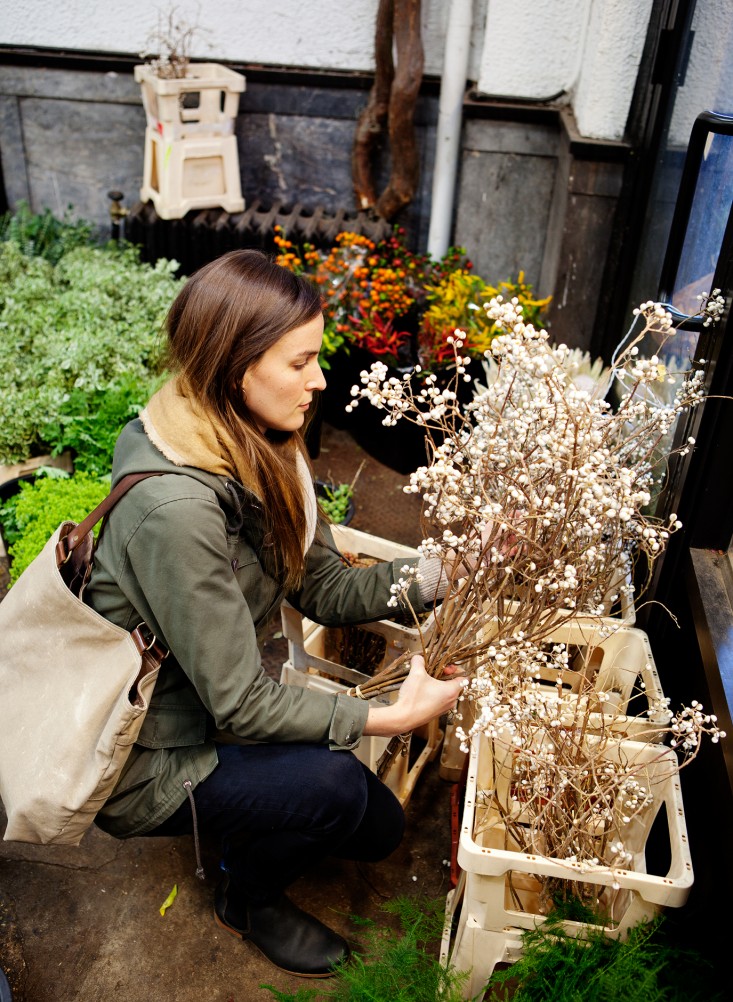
(318, 659)
(191, 158)
(497, 895)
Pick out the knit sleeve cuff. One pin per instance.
(432, 578)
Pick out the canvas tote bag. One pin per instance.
(74, 690)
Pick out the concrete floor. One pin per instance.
(84, 923)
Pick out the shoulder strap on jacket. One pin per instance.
(75, 537)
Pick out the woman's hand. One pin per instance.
(421, 699)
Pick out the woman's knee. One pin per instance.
(382, 825)
(343, 785)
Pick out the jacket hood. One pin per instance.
(135, 453)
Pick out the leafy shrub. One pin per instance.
(90, 423)
(393, 967)
(30, 517)
(43, 234)
(90, 323)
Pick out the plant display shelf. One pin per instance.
(11, 473)
(498, 894)
(614, 660)
(203, 103)
(191, 158)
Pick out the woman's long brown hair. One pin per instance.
(223, 320)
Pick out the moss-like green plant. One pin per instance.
(88, 324)
(643, 967)
(394, 966)
(30, 517)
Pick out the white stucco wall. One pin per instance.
(322, 34)
(532, 48)
(708, 83)
(611, 55)
(535, 49)
(586, 52)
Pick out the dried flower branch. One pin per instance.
(168, 48)
(535, 500)
(537, 490)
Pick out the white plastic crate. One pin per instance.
(307, 641)
(310, 665)
(498, 892)
(191, 157)
(192, 173)
(615, 659)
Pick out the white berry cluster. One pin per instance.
(537, 498)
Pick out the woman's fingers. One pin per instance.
(428, 696)
(451, 671)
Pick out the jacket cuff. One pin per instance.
(347, 722)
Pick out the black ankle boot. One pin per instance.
(293, 940)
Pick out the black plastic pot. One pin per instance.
(401, 447)
(322, 486)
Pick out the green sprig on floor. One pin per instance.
(394, 965)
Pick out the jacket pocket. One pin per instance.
(173, 727)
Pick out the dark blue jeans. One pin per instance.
(278, 809)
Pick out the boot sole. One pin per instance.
(245, 939)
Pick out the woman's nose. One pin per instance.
(317, 381)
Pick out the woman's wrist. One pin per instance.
(385, 721)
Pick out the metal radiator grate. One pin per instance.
(202, 236)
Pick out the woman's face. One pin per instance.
(279, 388)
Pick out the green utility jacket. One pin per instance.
(181, 552)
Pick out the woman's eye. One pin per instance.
(299, 365)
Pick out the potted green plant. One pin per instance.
(336, 500)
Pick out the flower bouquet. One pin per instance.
(535, 491)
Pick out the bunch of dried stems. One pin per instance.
(536, 500)
(168, 48)
(537, 491)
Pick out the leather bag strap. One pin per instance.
(76, 536)
(152, 652)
